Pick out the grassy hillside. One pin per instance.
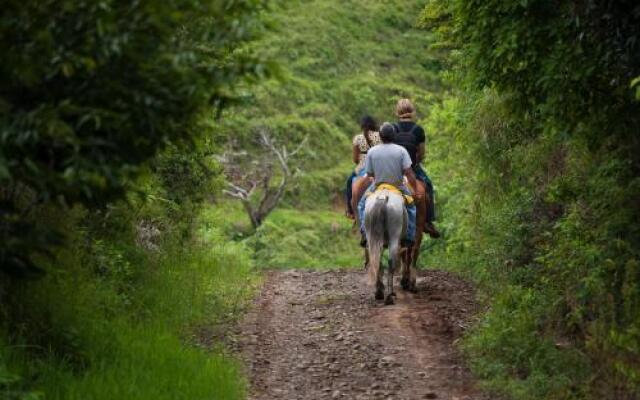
(339, 61)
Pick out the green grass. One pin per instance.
(141, 337)
(289, 238)
(145, 362)
(311, 239)
(340, 60)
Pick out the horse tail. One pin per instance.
(375, 226)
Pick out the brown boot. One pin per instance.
(431, 230)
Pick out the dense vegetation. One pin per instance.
(113, 120)
(119, 251)
(103, 109)
(337, 61)
(538, 155)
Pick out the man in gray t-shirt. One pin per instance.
(388, 163)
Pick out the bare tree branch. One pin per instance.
(260, 175)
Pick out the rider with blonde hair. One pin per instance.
(411, 136)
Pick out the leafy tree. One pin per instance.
(551, 125)
(91, 90)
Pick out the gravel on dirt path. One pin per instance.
(321, 335)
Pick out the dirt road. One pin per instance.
(320, 335)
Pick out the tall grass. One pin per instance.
(134, 331)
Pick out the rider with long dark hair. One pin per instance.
(362, 142)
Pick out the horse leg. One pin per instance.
(366, 258)
(421, 215)
(379, 285)
(395, 260)
(415, 253)
(409, 274)
(404, 272)
(406, 268)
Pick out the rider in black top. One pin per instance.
(412, 137)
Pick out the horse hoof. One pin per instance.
(379, 295)
(388, 300)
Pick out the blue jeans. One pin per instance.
(431, 208)
(411, 214)
(349, 189)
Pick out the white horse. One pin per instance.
(385, 223)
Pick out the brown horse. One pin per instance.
(410, 256)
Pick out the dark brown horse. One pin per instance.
(410, 256)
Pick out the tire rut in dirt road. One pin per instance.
(320, 335)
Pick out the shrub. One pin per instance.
(91, 90)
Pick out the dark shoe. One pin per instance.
(431, 230)
(363, 241)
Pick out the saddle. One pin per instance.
(408, 199)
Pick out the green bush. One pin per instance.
(132, 326)
(539, 198)
(91, 90)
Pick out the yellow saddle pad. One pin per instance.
(408, 199)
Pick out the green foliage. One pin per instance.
(102, 113)
(334, 69)
(187, 176)
(571, 64)
(540, 194)
(507, 343)
(312, 239)
(135, 324)
(91, 90)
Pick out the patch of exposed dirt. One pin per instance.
(321, 335)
